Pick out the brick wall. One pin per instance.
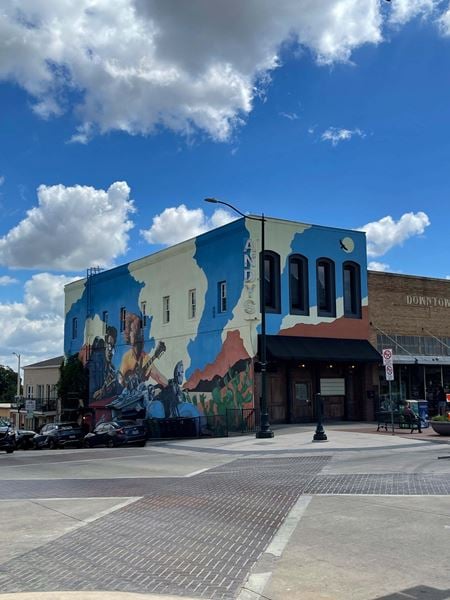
(404, 304)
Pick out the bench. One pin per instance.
(401, 421)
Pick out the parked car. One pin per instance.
(7, 437)
(116, 433)
(24, 439)
(59, 435)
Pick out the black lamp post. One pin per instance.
(320, 435)
(264, 429)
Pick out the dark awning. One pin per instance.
(285, 347)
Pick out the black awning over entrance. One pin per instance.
(284, 347)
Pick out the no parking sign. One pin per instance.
(388, 363)
(389, 372)
(387, 356)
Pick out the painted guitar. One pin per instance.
(132, 378)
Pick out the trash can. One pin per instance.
(420, 408)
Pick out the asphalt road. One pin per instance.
(230, 518)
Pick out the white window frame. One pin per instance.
(166, 310)
(222, 296)
(192, 304)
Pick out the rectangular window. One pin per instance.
(74, 328)
(166, 309)
(298, 285)
(143, 314)
(40, 392)
(326, 294)
(222, 296)
(352, 290)
(29, 391)
(271, 282)
(323, 288)
(192, 304)
(123, 317)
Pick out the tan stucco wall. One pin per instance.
(39, 376)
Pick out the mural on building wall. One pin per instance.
(136, 387)
(140, 365)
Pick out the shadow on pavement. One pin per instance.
(422, 592)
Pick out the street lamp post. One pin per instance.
(18, 373)
(18, 390)
(264, 429)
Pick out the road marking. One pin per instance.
(61, 462)
(199, 471)
(281, 538)
(129, 500)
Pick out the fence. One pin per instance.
(234, 421)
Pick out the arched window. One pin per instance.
(298, 285)
(326, 289)
(352, 290)
(272, 282)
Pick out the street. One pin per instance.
(361, 516)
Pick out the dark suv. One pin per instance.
(7, 437)
(59, 435)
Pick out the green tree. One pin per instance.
(73, 382)
(8, 384)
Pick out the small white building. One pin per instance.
(39, 404)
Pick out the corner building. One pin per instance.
(411, 315)
(177, 333)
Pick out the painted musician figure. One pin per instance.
(137, 366)
(110, 386)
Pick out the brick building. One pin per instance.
(411, 315)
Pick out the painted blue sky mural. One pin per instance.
(335, 113)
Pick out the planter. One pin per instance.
(441, 427)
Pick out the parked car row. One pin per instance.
(7, 437)
(60, 435)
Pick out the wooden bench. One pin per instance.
(401, 421)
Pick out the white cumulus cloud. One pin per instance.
(136, 65)
(378, 266)
(403, 11)
(386, 233)
(34, 328)
(72, 228)
(336, 135)
(179, 223)
(7, 280)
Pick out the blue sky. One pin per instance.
(334, 113)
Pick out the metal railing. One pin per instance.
(234, 421)
(241, 420)
(40, 404)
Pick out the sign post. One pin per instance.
(388, 363)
